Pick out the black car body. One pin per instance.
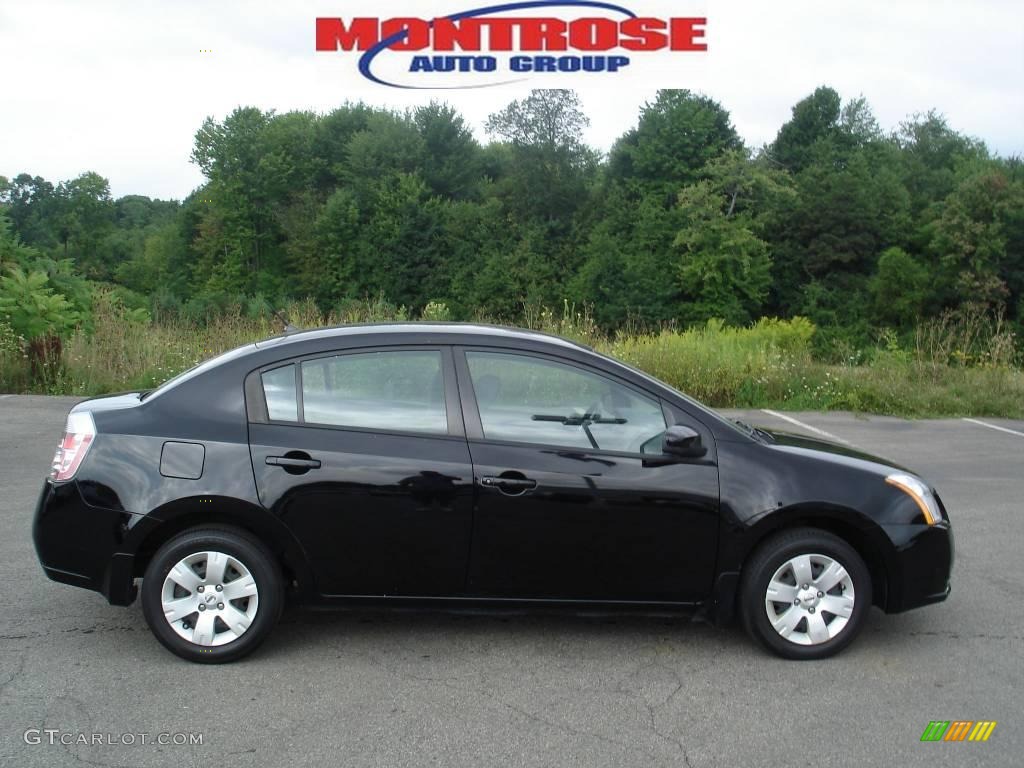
(433, 484)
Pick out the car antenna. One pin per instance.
(288, 327)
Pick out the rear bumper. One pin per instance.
(80, 545)
(921, 569)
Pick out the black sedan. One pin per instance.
(455, 465)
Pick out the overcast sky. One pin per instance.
(121, 87)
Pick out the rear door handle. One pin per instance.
(288, 461)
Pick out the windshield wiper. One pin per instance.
(585, 420)
(755, 431)
(577, 420)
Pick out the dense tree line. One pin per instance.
(835, 219)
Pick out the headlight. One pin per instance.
(919, 492)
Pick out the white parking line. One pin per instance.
(995, 426)
(808, 427)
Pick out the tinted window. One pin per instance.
(394, 391)
(279, 389)
(531, 400)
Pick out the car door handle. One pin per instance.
(513, 486)
(291, 461)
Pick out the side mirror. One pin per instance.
(680, 440)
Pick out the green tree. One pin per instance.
(331, 263)
(398, 244)
(978, 239)
(333, 133)
(153, 268)
(31, 204)
(815, 119)
(678, 134)
(850, 204)
(390, 144)
(724, 269)
(627, 272)
(931, 153)
(551, 164)
(85, 217)
(13, 252)
(901, 288)
(452, 166)
(236, 224)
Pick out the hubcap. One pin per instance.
(810, 599)
(209, 598)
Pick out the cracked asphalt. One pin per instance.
(413, 689)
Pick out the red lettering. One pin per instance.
(642, 34)
(534, 34)
(465, 34)
(541, 34)
(688, 34)
(499, 34)
(593, 34)
(333, 35)
(417, 37)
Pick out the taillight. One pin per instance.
(78, 435)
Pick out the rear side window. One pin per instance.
(279, 389)
(393, 391)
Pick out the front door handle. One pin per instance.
(511, 486)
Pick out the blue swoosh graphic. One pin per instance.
(367, 58)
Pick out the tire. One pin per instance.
(244, 603)
(836, 578)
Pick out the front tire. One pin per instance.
(805, 594)
(212, 595)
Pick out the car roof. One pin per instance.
(419, 328)
(401, 330)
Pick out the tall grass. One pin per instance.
(954, 366)
(721, 365)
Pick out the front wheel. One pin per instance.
(805, 594)
(212, 595)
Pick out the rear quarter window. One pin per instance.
(279, 391)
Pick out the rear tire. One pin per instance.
(212, 595)
(805, 594)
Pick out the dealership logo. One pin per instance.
(507, 43)
(958, 730)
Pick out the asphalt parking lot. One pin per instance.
(415, 689)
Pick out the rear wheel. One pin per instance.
(212, 595)
(805, 594)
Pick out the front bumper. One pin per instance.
(80, 544)
(921, 568)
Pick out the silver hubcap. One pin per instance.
(809, 599)
(209, 598)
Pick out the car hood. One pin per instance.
(827, 450)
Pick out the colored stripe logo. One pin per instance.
(958, 730)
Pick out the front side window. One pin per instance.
(533, 400)
(399, 391)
